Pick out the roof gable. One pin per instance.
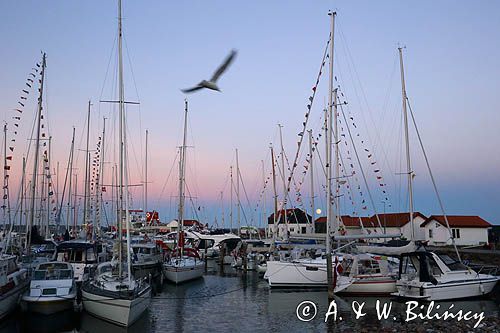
(458, 221)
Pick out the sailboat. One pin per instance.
(426, 275)
(185, 263)
(114, 294)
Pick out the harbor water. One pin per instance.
(243, 302)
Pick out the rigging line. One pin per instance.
(361, 97)
(359, 163)
(433, 180)
(248, 200)
(160, 197)
(297, 153)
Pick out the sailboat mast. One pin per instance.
(70, 173)
(87, 173)
(6, 204)
(182, 161)
(231, 198)
(36, 153)
(120, 140)
(329, 201)
(311, 174)
(263, 222)
(23, 180)
(99, 205)
(407, 140)
(283, 178)
(276, 229)
(238, 192)
(146, 179)
(222, 208)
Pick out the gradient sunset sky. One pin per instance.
(452, 76)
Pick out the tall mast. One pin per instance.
(238, 192)
(146, 179)
(182, 161)
(87, 173)
(222, 208)
(284, 179)
(70, 170)
(23, 180)
(329, 206)
(36, 153)
(275, 226)
(120, 141)
(6, 199)
(263, 223)
(311, 174)
(407, 140)
(100, 180)
(49, 181)
(231, 198)
(75, 207)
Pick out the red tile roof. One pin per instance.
(389, 220)
(459, 221)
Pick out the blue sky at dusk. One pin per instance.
(452, 76)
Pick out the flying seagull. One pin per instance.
(212, 83)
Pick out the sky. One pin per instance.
(451, 70)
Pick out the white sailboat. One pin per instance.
(185, 263)
(114, 294)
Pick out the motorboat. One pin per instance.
(428, 276)
(52, 289)
(83, 255)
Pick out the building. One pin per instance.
(173, 225)
(298, 222)
(466, 230)
(392, 224)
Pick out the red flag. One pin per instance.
(103, 189)
(7, 167)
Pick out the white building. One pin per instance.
(396, 224)
(467, 230)
(297, 223)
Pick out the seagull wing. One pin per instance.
(224, 66)
(190, 90)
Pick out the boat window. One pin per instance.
(452, 264)
(408, 267)
(347, 265)
(434, 268)
(91, 255)
(77, 256)
(39, 275)
(65, 274)
(368, 266)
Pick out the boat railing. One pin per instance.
(485, 269)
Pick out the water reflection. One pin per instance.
(237, 301)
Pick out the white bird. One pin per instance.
(212, 83)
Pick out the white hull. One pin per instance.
(306, 274)
(381, 285)
(123, 312)
(181, 273)
(445, 291)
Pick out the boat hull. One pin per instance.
(48, 305)
(119, 311)
(10, 300)
(446, 291)
(370, 286)
(296, 274)
(180, 274)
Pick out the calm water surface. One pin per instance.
(235, 302)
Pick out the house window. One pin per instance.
(303, 230)
(430, 233)
(455, 233)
